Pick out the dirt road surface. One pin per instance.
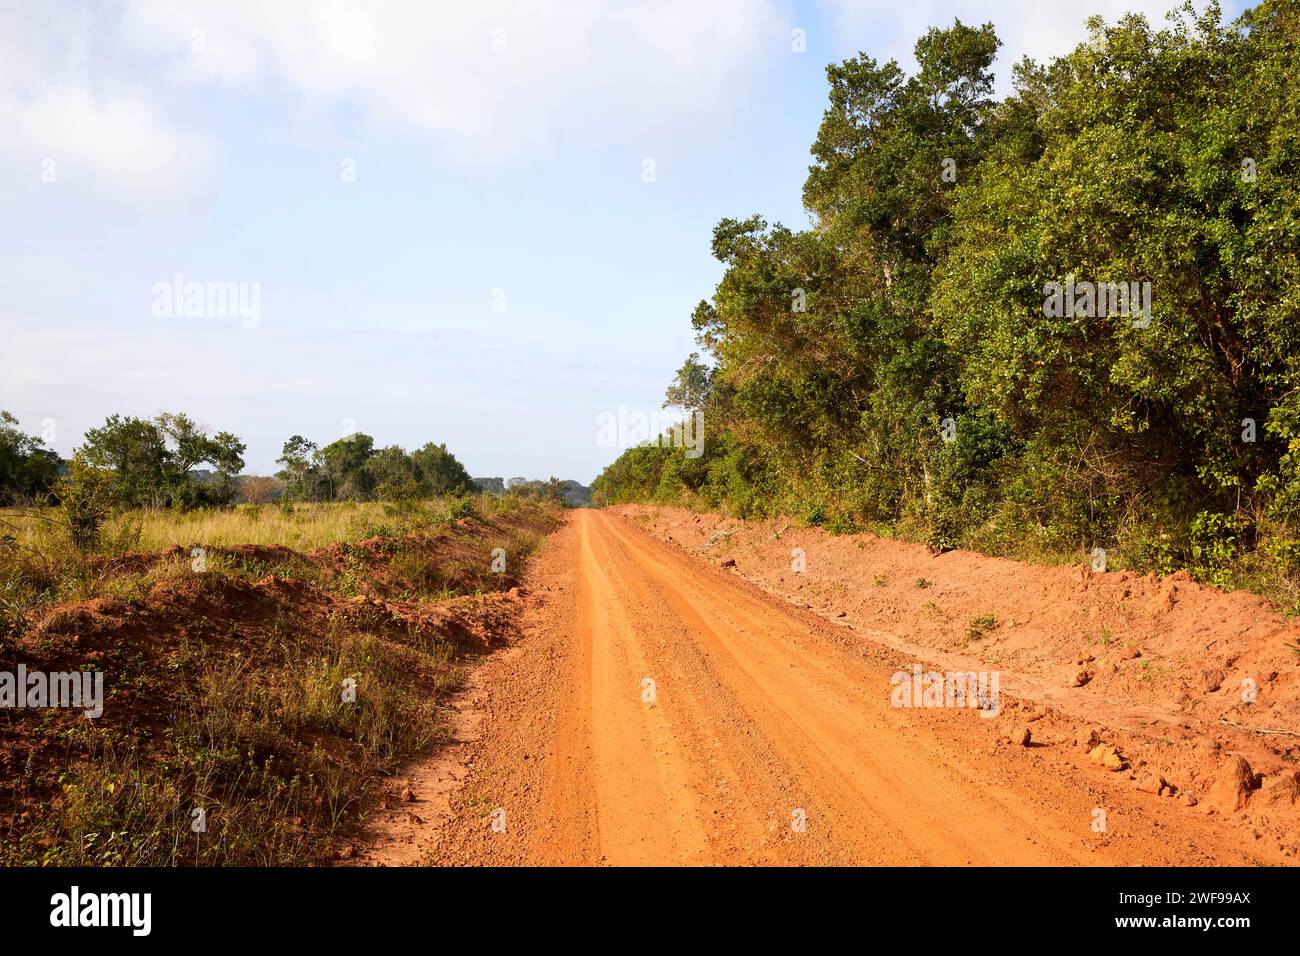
(659, 710)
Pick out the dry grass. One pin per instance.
(302, 528)
(256, 732)
(39, 565)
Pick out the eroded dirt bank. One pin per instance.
(225, 688)
(662, 709)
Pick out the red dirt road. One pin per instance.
(767, 736)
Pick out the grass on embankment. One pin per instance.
(39, 566)
(224, 690)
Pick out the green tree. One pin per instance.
(299, 473)
(27, 469)
(153, 461)
(901, 361)
(689, 389)
(394, 475)
(343, 464)
(440, 472)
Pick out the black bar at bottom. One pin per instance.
(369, 905)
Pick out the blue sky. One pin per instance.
(498, 150)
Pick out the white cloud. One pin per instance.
(1040, 29)
(95, 88)
(62, 100)
(485, 81)
(119, 140)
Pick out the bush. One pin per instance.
(85, 502)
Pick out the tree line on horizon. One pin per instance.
(901, 365)
(170, 461)
(352, 468)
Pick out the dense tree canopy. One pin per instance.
(153, 461)
(171, 461)
(353, 469)
(900, 362)
(27, 468)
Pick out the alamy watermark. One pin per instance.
(627, 429)
(1129, 300)
(181, 299)
(64, 689)
(922, 688)
(75, 908)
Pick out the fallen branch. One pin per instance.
(1262, 731)
(715, 538)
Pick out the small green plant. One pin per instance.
(922, 583)
(1213, 546)
(461, 508)
(1105, 638)
(979, 626)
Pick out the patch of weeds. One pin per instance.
(1150, 673)
(240, 566)
(1104, 638)
(417, 572)
(461, 508)
(979, 626)
(350, 581)
(278, 760)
